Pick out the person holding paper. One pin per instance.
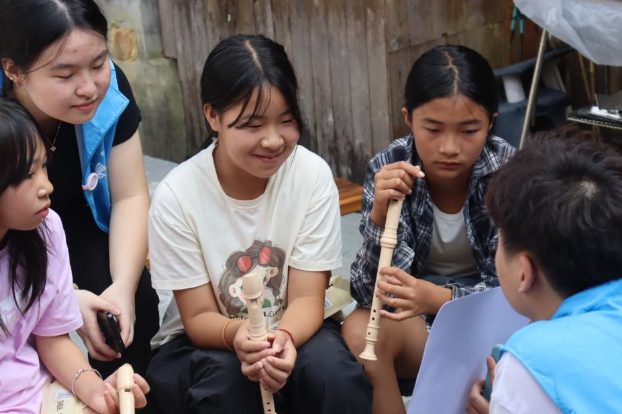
(558, 208)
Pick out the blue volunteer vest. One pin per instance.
(95, 140)
(94, 144)
(576, 357)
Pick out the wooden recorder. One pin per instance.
(125, 381)
(387, 243)
(253, 292)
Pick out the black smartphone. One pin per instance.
(110, 330)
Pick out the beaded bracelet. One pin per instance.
(289, 333)
(80, 372)
(224, 330)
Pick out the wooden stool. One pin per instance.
(350, 196)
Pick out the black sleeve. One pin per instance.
(131, 117)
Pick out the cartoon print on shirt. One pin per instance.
(265, 260)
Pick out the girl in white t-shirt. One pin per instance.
(38, 306)
(252, 201)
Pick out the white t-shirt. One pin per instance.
(450, 251)
(516, 391)
(199, 235)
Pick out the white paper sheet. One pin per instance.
(463, 335)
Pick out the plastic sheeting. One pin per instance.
(593, 27)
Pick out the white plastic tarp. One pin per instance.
(593, 27)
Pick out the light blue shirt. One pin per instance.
(576, 357)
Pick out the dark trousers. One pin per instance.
(326, 379)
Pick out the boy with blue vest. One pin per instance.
(558, 208)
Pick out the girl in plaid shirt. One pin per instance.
(446, 240)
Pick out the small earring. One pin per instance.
(11, 79)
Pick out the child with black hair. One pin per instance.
(446, 240)
(252, 201)
(56, 64)
(37, 301)
(558, 207)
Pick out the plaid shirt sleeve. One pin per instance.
(458, 290)
(365, 267)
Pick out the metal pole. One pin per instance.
(533, 91)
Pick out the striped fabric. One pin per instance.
(415, 228)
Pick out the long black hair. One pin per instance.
(29, 27)
(19, 140)
(447, 71)
(240, 65)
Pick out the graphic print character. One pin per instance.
(262, 258)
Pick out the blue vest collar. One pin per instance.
(107, 115)
(595, 298)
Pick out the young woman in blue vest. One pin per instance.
(55, 63)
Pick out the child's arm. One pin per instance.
(128, 229)
(207, 328)
(202, 319)
(305, 308)
(302, 319)
(63, 359)
(382, 183)
(409, 295)
(393, 181)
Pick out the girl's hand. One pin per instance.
(251, 353)
(123, 298)
(393, 181)
(411, 296)
(276, 369)
(90, 333)
(477, 403)
(105, 400)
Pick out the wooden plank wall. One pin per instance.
(351, 58)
